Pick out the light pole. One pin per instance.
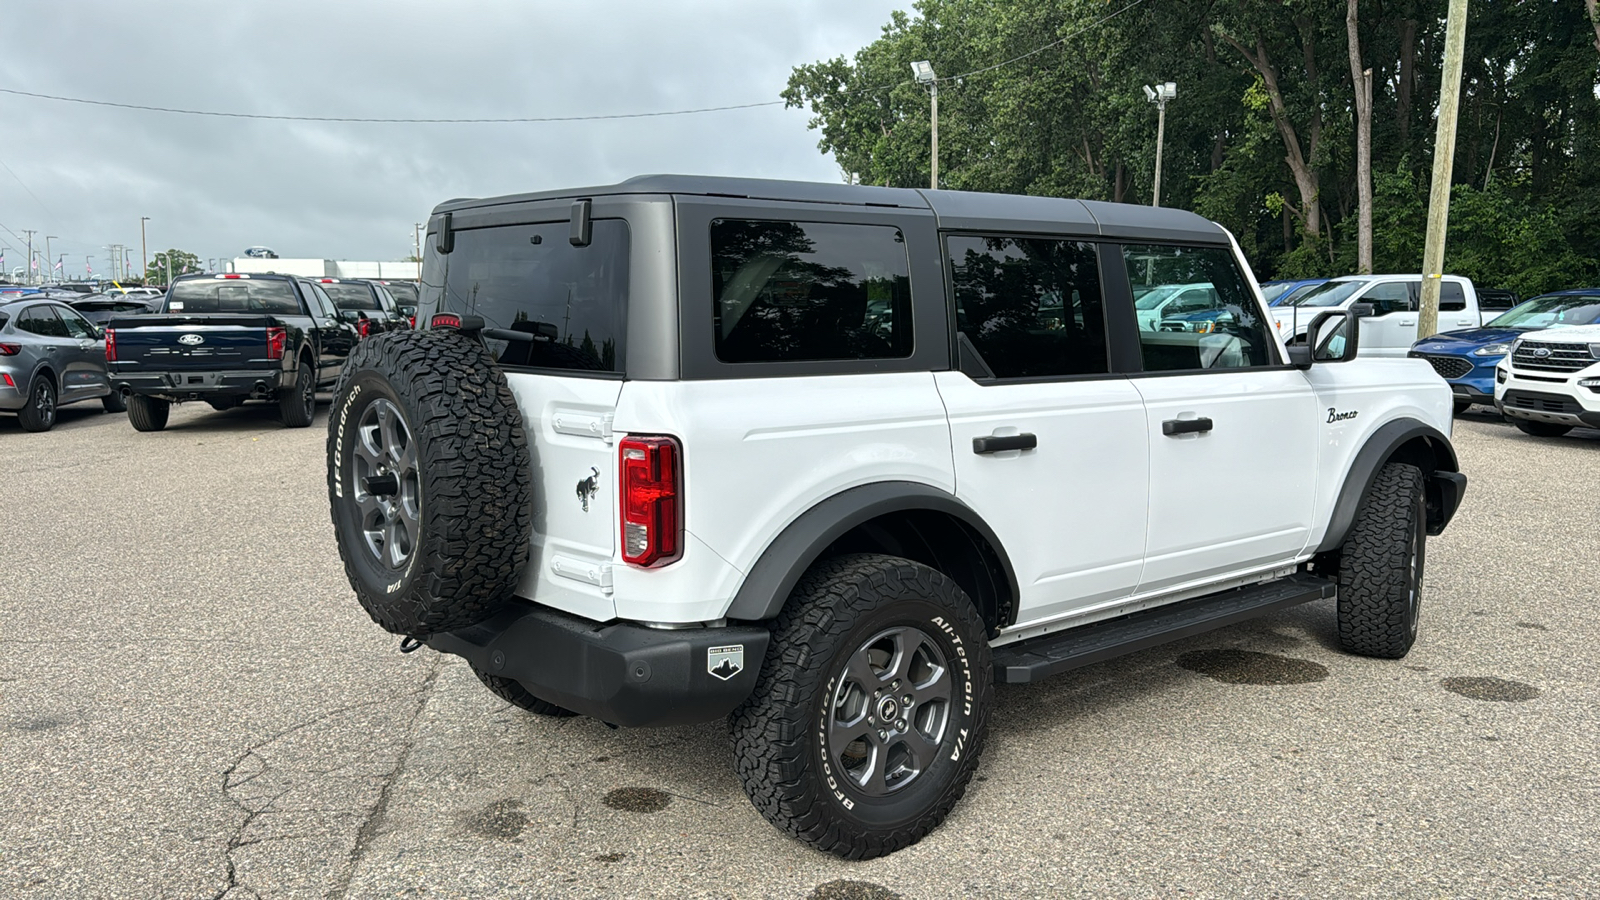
(144, 249)
(1159, 95)
(47, 257)
(923, 70)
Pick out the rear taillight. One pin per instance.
(413, 320)
(652, 513)
(111, 345)
(277, 339)
(10, 349)
(445, 320)
(363, 326)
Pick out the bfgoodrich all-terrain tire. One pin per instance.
(868, 716)
(515, 694)
(148, 413)
(1380, 567)
(429, 481)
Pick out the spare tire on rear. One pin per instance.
(429, 481)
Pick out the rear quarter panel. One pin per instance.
(757, 454)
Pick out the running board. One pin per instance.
(1038, 658)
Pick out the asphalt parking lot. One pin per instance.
(193, 705)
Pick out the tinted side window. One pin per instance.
(1030, 306)
(42, 320)
(1451, 296)
(1197, 313)
(77, 326)
(318, 298)
(1389, 297)
(571, 302)
(795, 291)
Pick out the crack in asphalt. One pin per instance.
(243, 771)
(375, 815)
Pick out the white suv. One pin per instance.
(830, 460)
(1549, 383)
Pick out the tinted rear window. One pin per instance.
(792, 291)
(571, 302)
(351, 296)
(405, 293)
(233, 296)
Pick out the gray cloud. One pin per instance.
(352, 191)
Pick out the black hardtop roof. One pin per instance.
(955, 209)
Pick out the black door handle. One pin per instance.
(992, 443)
(1186, 426)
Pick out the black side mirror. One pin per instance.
(1334, 336)
(1364, 310)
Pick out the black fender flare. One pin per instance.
(791, 553)
(1445, 483)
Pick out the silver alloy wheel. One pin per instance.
(44, 400)
(388, 487)
(890, 710)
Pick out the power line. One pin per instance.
(513, 120)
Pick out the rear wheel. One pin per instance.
(1540, 429)
(514, 693)
(297, 407)
(40, 413)
(868, 717)
(148, 413)
(115, 402)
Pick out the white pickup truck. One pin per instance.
(1391, 328)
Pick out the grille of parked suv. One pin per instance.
(1449, 366)
(1560, 358)
(1537, 402)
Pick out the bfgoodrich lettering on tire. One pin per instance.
(1380, 567)
(429, 481)
(868, 717)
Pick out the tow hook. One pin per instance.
(409, 644)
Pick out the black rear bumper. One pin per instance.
(622, 673)
(200, 385)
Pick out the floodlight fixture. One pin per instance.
(923, 71)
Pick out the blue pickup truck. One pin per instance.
(226, 339)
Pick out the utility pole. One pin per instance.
(30, 232)
(49, 259)
(923, 71)
(1444, 152)
(144, 249)
(1159, 95)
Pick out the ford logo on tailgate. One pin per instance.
(191, 339)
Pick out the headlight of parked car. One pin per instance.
(1492, 350)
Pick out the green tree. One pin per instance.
(169, 264)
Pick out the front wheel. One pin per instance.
(1380, 567)
(1540, 429)
(868, 717)
(115, 402)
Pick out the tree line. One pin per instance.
(1276, 101)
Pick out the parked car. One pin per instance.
(680, 449)
(405, 298)
(1164, 300)
(99, 308)
(1389, 304)
(1276, 292)
(228, 338)
(49, 357)
(1550, 382)
(1467, 358)
(365, 304)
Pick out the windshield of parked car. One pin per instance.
(1157, 296)
(405, 293)
(216, 295)
(1332, 293)
(351, 296)
(1271, 292)
(1552, 312)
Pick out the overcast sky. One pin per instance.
(352, 191)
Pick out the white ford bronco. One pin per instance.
(829, 461)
